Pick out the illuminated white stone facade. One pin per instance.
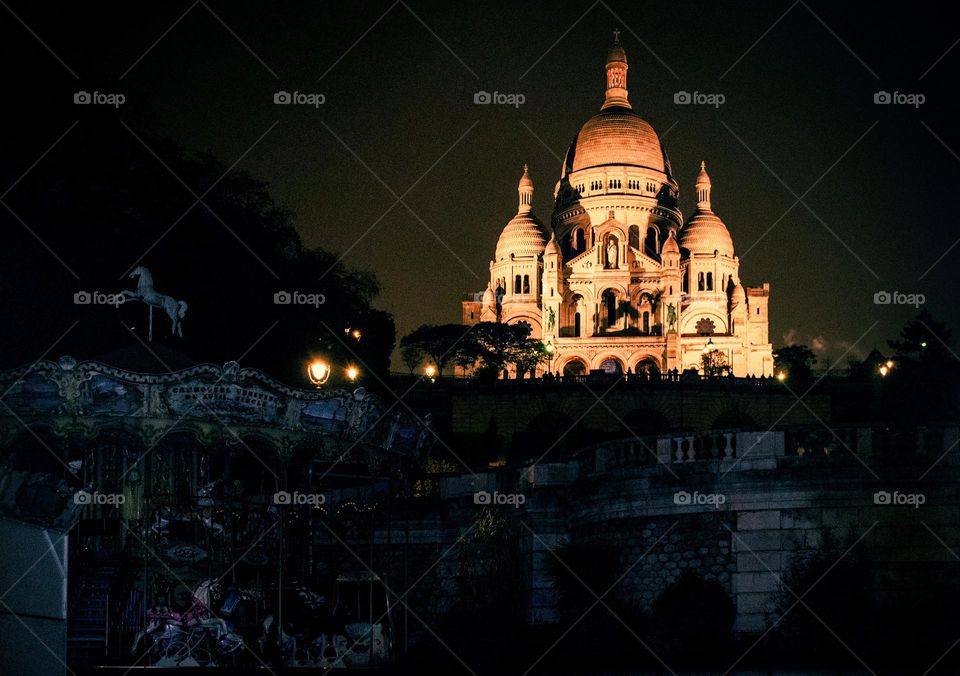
(619, 281)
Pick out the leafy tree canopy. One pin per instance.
(104, 201)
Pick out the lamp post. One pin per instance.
(431, 372)
(549, 348)
(707, 358)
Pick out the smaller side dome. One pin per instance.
(552, 246)
(523, 236)
(488, 297)
(704, 232)
(670, 246)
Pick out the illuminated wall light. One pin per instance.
(318, 371)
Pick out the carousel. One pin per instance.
(201, 507)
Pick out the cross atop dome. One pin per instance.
(616, 67)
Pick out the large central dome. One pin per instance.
(616, 135)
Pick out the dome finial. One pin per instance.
(703, 188)
(525, 190)
(616, 67)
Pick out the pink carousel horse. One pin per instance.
(165, 623)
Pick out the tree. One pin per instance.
(528, 355)
(714, 363)
(494, 345)
(924, 373)
(441, 345)
(104, 204)
(796, 361)
(923, 341)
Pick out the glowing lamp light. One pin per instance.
(923, 344)
(431, 371)
(884, 370)
(318, 371)
(355, 333)
(708, 346)
(889, 364)
(781, 376)
(549, 347)
(352, 373)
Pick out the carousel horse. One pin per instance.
(176, 309)
(165, 624)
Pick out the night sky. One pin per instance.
(398, 120)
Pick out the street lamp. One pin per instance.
(352, 373)
(781, 376)
(318, 371)
(549, 348)
(431, 372)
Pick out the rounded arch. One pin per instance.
(536, 329)
(575, 314)
(609, 363)
(692, 317)
(647, 364)
(573, 366)
(651, 240)
(638, 293)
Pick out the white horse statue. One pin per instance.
(176, 309)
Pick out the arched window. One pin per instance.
(574, 367)
(699, 281)
(650, 242)
(646, 322)
(526, 283)
(576, 325)
(634, 236)
(709, 281)
(609, 302)
(579, 244)
(517, 284)
(685, 288)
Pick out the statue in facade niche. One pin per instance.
(551, 319)
(612, 253)
(671, 315)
